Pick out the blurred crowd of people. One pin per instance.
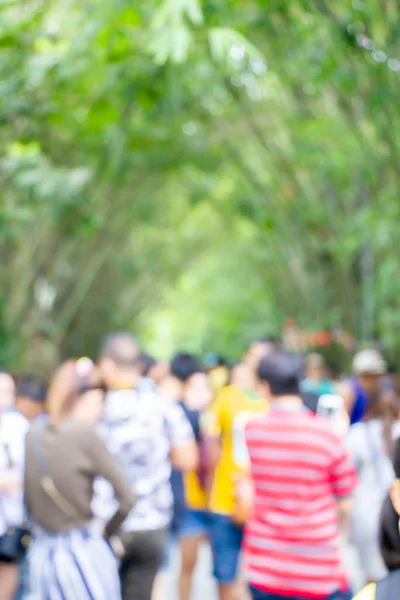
(274, 462)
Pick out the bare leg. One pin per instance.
(189, 548)
(229, 591)
(243, 589)
(235, 591)
(159, 587)
(8, 581)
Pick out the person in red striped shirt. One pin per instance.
(303, 481)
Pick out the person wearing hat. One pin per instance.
(365, 388)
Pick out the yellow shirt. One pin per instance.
(195, 496)
(225, 414)
(368, 593)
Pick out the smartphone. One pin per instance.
(330, 406)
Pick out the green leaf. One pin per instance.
(223, 40)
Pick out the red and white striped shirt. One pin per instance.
(300, 469)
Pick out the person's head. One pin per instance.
(146, 364)
(182, 369)
(389, 530)
(119, 360)
(31, 396)
(369, 367)
(159, 372)
(218, 371)
(279, 374)
(219, 377)
(240, 376)
(316, 367)
(76, 392)
(198, 391)
(183, 366)
(7, 391)
(257, 350)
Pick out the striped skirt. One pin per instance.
(77, 565)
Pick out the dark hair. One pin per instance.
(212, 361)
(282, 371)
(184, 365)
(122, 349)
(389, 535)
(221, 361)
(146, 362)
(33, 387)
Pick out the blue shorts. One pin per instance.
(194, 523)
(226, 542)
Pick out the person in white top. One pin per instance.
(371, 444)
(148, 435)
(13, 428)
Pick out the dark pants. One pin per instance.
(144, 551)
(259, 595)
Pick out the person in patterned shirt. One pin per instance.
(148, 435)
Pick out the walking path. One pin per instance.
(204, 587)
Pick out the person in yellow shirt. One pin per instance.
(224, 419)
(389, 538)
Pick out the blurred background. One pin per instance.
(193, 171)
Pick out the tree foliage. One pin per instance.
(196, 171)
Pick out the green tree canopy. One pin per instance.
(196, 172)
